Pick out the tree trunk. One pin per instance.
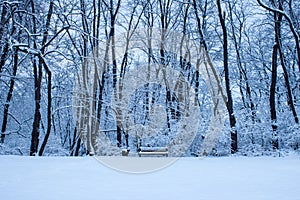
(38, 74)
(49, 113)
(272, 96)
(37, 115)
(5, 45)
(200, 31)
(164, 9)
(233, 131)
(3, 57)
(49, 73)
(113, 15)
(277, 20)
(9, 95)
(77, 147)
(3, 20)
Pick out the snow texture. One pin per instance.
(223, 178)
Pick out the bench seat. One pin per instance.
(153, 151)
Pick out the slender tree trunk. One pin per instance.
(276, 50)
(3, 20)
(96, 22)
(273, 85)
(3, 57)
(9, 95)
(89, 109)
(164, 9)
(200, 31)
(232, 120)
(49, 113)
(272, 96)
(113, 14)
(37, 114)
(4, 45)
(114, 70)
(78, 144)
(38, 74)
(49, 73)
(85, 29)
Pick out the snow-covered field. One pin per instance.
(85, 178)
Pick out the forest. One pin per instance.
(202, 77)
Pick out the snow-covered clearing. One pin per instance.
(226, 178)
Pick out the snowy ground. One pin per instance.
(227, 178)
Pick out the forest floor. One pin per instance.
(222, 178)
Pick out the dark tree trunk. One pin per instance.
(37, 115)
(4, 45)
(273, 85)
(49, 73)
(3, 57)
(119, 136)
(77, 147)
(276, 48)
(3, 20)
(272, 96)
(38, 74)
(84, 49)
(9, 96)
(49, 113)
(113, 15)
(233, 131)
(164, 9)
(200, 31)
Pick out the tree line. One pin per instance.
(254, 45)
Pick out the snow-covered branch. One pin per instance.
(290, 22)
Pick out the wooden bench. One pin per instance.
(153, 151)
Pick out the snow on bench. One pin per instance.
(153, 151)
